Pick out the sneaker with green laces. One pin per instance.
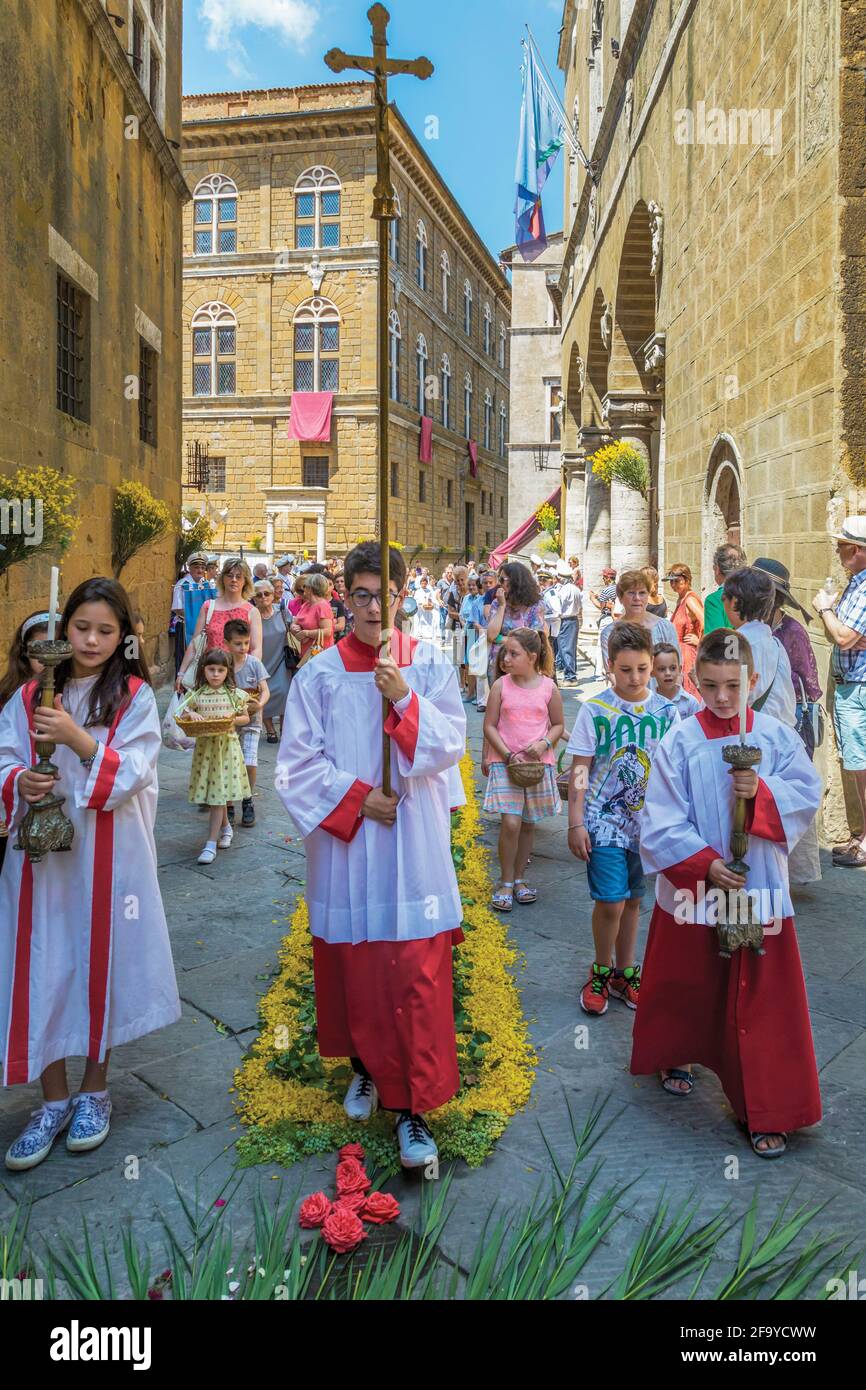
(594, 995)
(625, 985)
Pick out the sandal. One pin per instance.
(677, 1074)
(272, 738)
(502, 901)
(755, 1137)
(523, 893)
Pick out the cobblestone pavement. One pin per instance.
(174, 1130)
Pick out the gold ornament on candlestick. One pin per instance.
(45, 828)
(379, 66)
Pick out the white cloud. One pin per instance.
(292, 22)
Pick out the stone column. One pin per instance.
(574, 465)
(596, 521)
(321, 552)
(633, 417)
(270, 518)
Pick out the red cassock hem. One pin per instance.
(391, 1003)
(762, 816)
(344, 822)
(403, 728)
(746, 1019)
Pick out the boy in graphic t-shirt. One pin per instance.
(613, 741)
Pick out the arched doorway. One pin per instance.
(723, 503)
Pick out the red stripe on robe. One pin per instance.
(104, 785)
(18, 1051)
(391, 1003)
(403, 728)
(9, 792)
(344, 821)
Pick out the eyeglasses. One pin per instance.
(364, 598)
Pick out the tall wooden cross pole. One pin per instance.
(380, 66)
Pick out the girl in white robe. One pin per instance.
(85, 961)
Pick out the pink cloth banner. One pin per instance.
(425, 441)
(473, 457)
(310, 419)
(525, 533)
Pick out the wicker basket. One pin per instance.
(526, 774)
(205, 728)
(253, 694)
(563, 775)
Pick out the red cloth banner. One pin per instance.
(311, 416)
(425, 441)
(526, 532)
(473, 457)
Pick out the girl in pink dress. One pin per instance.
(234, 591)
(523, 723)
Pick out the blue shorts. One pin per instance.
(849, 723)
(614, 874)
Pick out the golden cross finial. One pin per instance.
(380, 66)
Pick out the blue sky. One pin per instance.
(474, 92)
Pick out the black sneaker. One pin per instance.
(249, 813)
(231, 813)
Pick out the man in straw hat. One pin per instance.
(190, 592)
(844, 622)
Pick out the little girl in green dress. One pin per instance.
(218, 774)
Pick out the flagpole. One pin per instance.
(547, 83)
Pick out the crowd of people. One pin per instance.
(299, 646)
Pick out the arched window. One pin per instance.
(421, 364)
(467, 406)
(488, 417)
(421, 255)
(317, 346)
(317, 209)
(488, 322)
(215, 216)
(467, 309)
(214, 347)
(394, 337)
(503, 429)
(446, 279)
(502, 339)
(445, 374)
(394, 232)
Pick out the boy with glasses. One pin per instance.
(382, 893)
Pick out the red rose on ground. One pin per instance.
(380, 1208)
(352, 1201)
(351, 1177)
(351, 1151)
(343, 1230)
(313, 1210)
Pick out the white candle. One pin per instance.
(52, 603)
(744, 697)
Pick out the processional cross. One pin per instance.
(380, 66)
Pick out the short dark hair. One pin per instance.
(366, 558)
(215, 656)
(729, 558)
(629, 637)
(754, 593)
(724, 646)
(660, 649)
(236, 627)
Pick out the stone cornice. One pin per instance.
(106, 36)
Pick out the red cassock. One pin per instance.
(384, 904)
(745, 1018)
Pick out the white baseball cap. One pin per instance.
(563, 569)
(852, 530)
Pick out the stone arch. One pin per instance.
(223, 293)
(596, 361)
(635, 314)
(573, 401)
(723, 503)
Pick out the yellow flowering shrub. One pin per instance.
(35, 514)
(137, 518)
(292, 1115)
(623, 462)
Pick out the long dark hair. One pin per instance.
(523, 591)
(215, 656)
(111, 688)
(18, 670)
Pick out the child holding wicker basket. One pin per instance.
(522, 726)
(217, 775)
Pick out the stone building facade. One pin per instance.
(712, 278)
(280, 296)
(92, 235)
(536, 383)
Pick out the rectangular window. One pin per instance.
(147, 363)
(330, 234)
(304, 337)
(226, 379)
(201, 379)
(73, 349)
(330, 337)
(137, 45)
(422, 485)
(395, 477)
(502, 509)
(228, 239)
(304, 236)
(554, 414)
(330, 373)
(304, 374)
(316, 472)
(449, 493)
(216, 475)
(154, 80)
(204, 243)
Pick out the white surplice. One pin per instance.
(384, 883)
(85, 960)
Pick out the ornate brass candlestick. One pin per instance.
(734, 932)
(45, 827)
